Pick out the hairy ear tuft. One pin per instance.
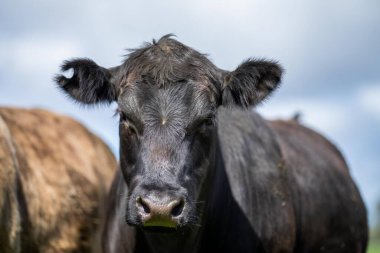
(89, 84)
(251, 82)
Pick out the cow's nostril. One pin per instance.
(178, 208)
(141, 203)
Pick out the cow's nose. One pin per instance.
(160, 212)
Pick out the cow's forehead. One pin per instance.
(180, 103)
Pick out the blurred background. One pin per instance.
(330, 50)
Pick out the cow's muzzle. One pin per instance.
(157, 211)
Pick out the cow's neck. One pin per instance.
(185, 241)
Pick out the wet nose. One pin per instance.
(160, 212)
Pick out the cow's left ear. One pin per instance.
(90, 83)
(250, 83)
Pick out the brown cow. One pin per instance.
(54, 175)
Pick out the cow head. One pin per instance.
(167, 96)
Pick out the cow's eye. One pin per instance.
(201, 126)
(132, 129)
(206, 123)
(127, 123)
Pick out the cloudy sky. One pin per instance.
(330, 50)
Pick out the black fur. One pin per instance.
(251, 82)
(166, 62)
(89, 84)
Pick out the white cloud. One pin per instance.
(369, 99)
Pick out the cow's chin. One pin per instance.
(160, 230)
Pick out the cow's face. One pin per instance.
(166, 143)
(167, 96)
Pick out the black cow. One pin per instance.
(200, 173)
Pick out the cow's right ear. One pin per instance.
(90, 83)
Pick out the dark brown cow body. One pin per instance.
(53, 177)
(278, 187)
(326, 201)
